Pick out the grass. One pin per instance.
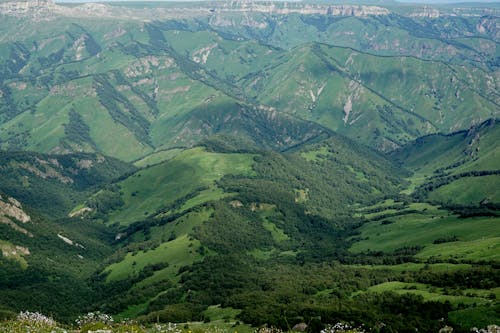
(157, 157)
(399, 208)
(429, 293)
(359, 175)
(216, 313)
(133, 311)
(210, 194)
(116, 140)
(182, 226)
(177, 253)
(455, 154)
(277, 233)
(475, 250)
(10, 251)
(316, 155)
(415, 267)
(151, 189)
(217, 327)
(423, 229)
(301, 196)
(469, 191)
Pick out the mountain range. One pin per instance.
(251, 163)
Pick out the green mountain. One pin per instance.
(53, 184)
(46, 264)
(456, 169)
(204, 205)
(171, 83)
(235, 165)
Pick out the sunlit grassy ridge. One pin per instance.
(176, 253)
(434, 294)
(193, 171)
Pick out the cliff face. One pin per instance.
(47, 9)
(427, 12)
(34, 8)
(350, 10)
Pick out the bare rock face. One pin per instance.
(32, 8)
(427, 12)
(489, 25)
(351, 10)
(47, 9)
(12, 208)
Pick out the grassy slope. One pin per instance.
(453, 244)
(469, 191)
(397, 98)
(176, 253)
(52, 184)
(258, 229)
(433, 294)
(423, 229)
(175, 92)
(460, 153)
(151, 189)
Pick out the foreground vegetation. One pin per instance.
(98, 322)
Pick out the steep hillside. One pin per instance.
(171, 83)
(381, 101)
(58, 97)
(47, 265)
(459, 169)
(53, 184)
(405, 31)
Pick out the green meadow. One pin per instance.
(192, 171)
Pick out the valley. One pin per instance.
(249, 166)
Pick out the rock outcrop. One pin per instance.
(30, 8)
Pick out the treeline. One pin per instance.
(421, 192)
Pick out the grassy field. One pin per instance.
(151, 189)
(474, 250)
(422, 229)
(436, 158)
(415, 267)
(469, 191)
(177, 253)
(184, 225)
(430, 293)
